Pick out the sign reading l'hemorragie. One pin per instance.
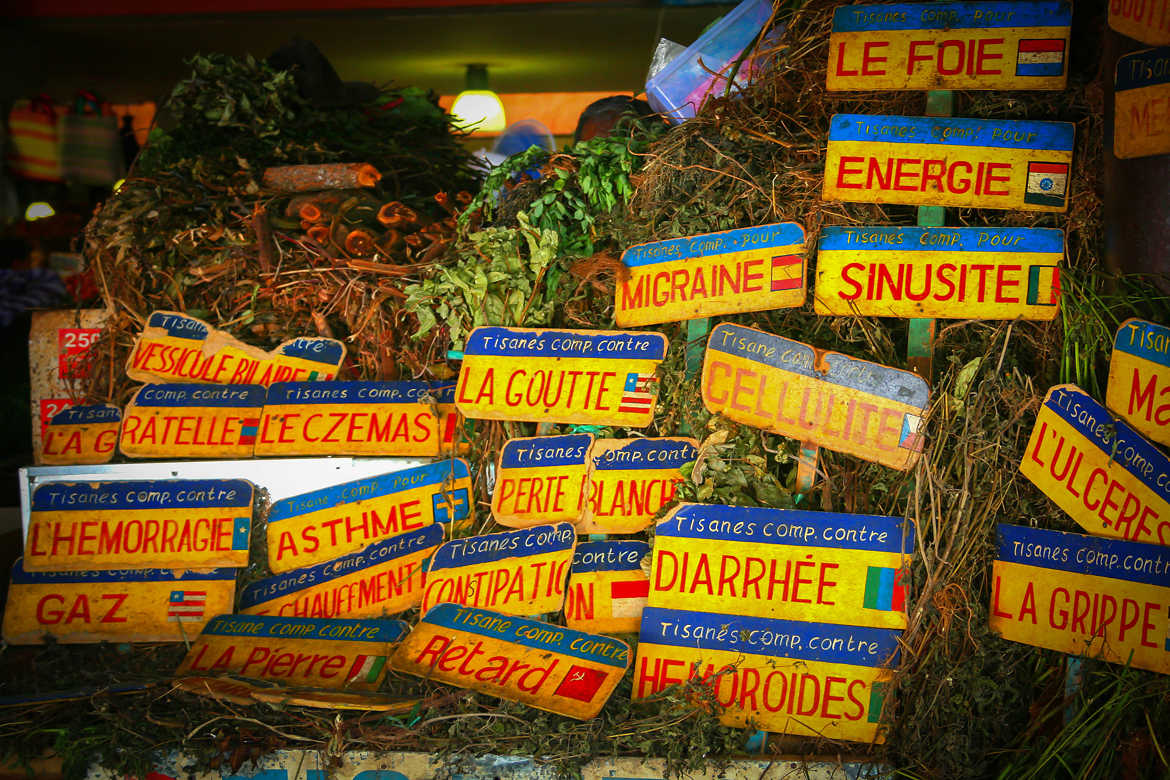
(630, 480)
(935, 161)
(81, 435)
(749, 269)
(172, 524)
(1139, 378)
(590, 377)
(956, 273)
(824, 398)
(1103, 598)
(541, 480)
(1141, 94)
(786, 676)
(192, 421)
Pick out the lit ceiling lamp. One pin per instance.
(477, 109)
(38, 210)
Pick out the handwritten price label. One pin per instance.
(72, 345)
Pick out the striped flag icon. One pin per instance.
(884, 589)
(911, 435)
(877, 699)
(628, 597)
(249, 427)
(787, 272)
(366, 669)
(636, 395)
(1040, 57)
(1047, 184)
(1043, 285)
(186, 604)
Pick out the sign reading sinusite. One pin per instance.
(749, 269)
(630, 480)
(174, 524)
(987, 45)
(967, 273)
(1139, 378)
(1147, 21)
(787, 676)
(1141, 94)
(933, 161)
(541, 480)
(783, 563)
(192, 421)
(825, 398)
(81, 435)
(549, 667)
(590, 377)
(1108, 478)
(1104, 598)
(607, 587)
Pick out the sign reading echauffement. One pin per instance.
(825, 398)
(173, 524)
(590, 377)
(192, 421)
(334, 521)
(516, 572)
(630, 480)
(607, 587)
(1104, 598)
(380, 581)
(935, 161)
(151, 605)
(1139, 378)
(1141, 93)
(176, 347)
(749, 269)
(1109, 479)
(783, 563)
(541, 480)
(956, 273)
(549, 667)
(312, 652)
(988, 45)
(81, 435)
(1147, 21)
(786, 676)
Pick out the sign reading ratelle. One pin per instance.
(787, 676)
(541, 480)
(934, 161)
(590, 377)
(1141, 94)
(607, 587)
(783, 563)
(1108, 478)
(1139, 378)
(1078, 594)
(987, 45)
(749, 269)
(824, 398)
(1147, 21)
(192, 421)
(549, 667)
(970, 273)
(81, 435)
(174, 524)
(630, 480)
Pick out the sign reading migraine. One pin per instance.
(81, 435)
(541, 480)
(192, 421)
(1139, 378)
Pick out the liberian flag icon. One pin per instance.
(628, 597)
(366, 668)
(884, 589)
(636, 394)
(787, 272)
(1040, 57)
(248, 429)
(187, 604)
(1047, 184)
(911, 437)
(1043, 285)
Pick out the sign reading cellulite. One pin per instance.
(1139, 378)
(541, 480)
(968, 273)
(607, 587)
(81, 435)
(192, 421)
(1141, 94)
(933, 161)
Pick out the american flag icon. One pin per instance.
(636, 395)
(187, 604)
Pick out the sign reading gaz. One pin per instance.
(541, 480)
(607, 587)
(1139, 378)
(192, 421)
(630, 480)
(81, 435)
(1141, 94)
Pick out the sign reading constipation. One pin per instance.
(81, 435)
(1141, 94)
(192, 421)
(541, 480)
(630, 480)
(1139, 378)
(607, 587)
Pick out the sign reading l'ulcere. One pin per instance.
(81, 435)
(541, 480)
(1141, 94)
(607, 587)
(630, 480)
(192, 421)
(1139, 378)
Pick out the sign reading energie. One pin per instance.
(1139, 378)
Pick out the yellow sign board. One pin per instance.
(828, 399)
(549, 667)
(81, 436)
(171, 523)
(1147, 21)
(1109, 479)
(590, 377)
(541, 480)
(114, 606)
(1141, 95)
(630, 480)
(607, 587)
(1083, 595)
(192, 421)
(1139, 378)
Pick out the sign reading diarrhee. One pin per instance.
(630, 480)
(1147, 21)
(192, 421)
(607, 587)
(81, 435)
(541, 480)
(1139, 378)
(1141, 94)
(590, 377)
(933, 161)
(987, 45)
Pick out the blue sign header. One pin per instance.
(159, 494)
(945, 131)
(525, 342)
(568, 450)
(490, 548)
(1080, 554)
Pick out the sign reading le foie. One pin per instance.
(81, 435)
(1141, 93)
(749, 269)
(1139, 378)
(549, 667)
(192, 421)
(590, 377)
(933, 161)
(988, 45)
(823, 398)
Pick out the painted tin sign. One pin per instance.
(630, 480)
(1141, 94)
(380, 581)
(1109, 479)
(607, 587)
(1139, 378)
(549, 667)
(749, 269)
(81, 435)
(313, 652)
(59, 344)
(591, 377)
(151, 605)
(956, 273)
(175, 347)
(516, 572)
(828, 399)
(322, 525)
(786, 676)
(174, 524)
(783, 563)
(1147, 21)
(192, 421)
(1104, 598)
(933, 161)
(541, 480)
(987, 45)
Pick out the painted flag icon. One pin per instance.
(1047, 184)
(787, 273)
(877, 698)
(248, 429)
(366, 669)
(1040, 57)
(628, 597)
(911, 436)
(1043, 285)
(884, 589)
(580, 683)
(636, 395)
(186, 604)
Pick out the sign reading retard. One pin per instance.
(1139, 378)
(607, 587)
(630, 480)
(541, 480)
(192, 421)
(1141, 94)
(81, 435)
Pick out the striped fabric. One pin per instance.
(34, 149)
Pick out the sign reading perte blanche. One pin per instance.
(630, 480)
(81, 435)
(541, 480)
(1139, 378)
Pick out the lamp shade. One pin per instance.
(479, 111)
